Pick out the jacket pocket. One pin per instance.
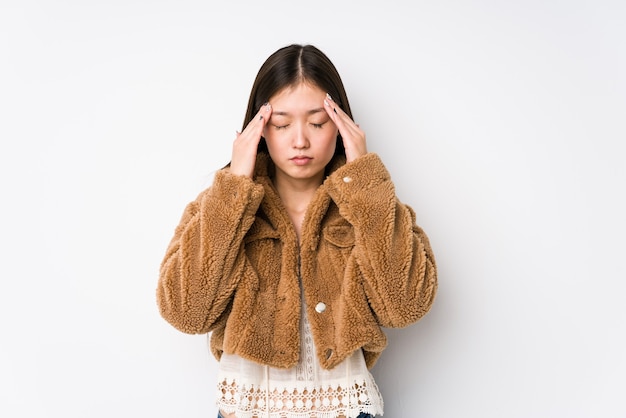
(341, 236)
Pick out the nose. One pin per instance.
(300, 139)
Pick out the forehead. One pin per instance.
(301, 98)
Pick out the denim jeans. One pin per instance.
(361, 415)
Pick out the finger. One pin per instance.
(352, 135)
(331, 106)
(254, 129)
(341, 118)
(246, 143)
(260, 119)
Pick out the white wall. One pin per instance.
(502, 123)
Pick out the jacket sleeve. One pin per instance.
(391, 252)
(202, 263)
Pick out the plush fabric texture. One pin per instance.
(233, 265)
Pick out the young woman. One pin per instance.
(297, 254)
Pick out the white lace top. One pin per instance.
(252, 390)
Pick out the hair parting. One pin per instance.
(289, 66)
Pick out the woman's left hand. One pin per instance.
(352, 135)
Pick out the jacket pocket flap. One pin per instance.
(340, 235)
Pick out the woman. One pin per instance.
(298, 254)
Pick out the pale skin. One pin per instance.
(298, 121)
(300, 125)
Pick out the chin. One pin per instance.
(306, 174)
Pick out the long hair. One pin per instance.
(288, 67)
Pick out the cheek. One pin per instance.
(273, 139)
(328, 140)
(334, 134)
(270, 143)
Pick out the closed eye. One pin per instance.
(279, 127)
(318, 125)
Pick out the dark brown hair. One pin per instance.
(290, 66)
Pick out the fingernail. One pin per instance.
(267, 105)
(328, 96)
(326, 102)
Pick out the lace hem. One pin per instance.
(328, 401)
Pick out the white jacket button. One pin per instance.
(320, 307)
(347, 179)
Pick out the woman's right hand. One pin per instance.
(246, 144)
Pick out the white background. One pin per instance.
(501, 122)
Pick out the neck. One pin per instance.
(296, 195)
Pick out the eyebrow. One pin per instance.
(310, 112)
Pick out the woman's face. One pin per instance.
(300, 136)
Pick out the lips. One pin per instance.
(301, 159)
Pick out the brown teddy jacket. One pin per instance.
(235, 268)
